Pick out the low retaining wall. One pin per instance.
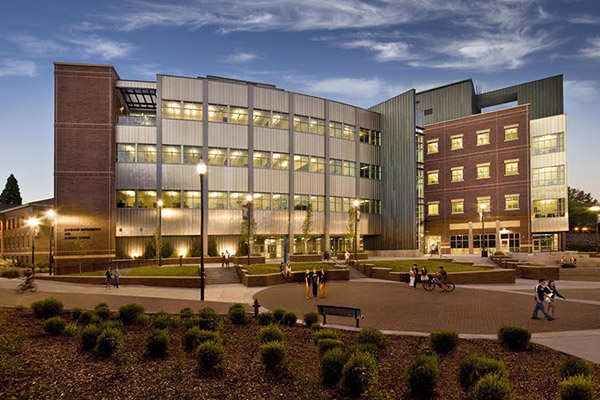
(361, 256)
(276, 278)
(161, 281)
(537, 272)
(394, 253)
(459, 278)
(306, 257)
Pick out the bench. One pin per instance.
(350, 312)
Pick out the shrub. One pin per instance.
(122, 360)
(47, 308)
(316, 326)
(576, 388)
(11, 343)
(210, 354)
(574, 366)
(129, 312)
(54, 326)
(368, 348)
(289, 319)
(422, 375)
(87, 318)
(20, 308)
(163, 321)
(10, 273)
(142, 320)
(237, 316)
(272, 354)
(359, 372)
(474, 367)
(157, 343)
(71, 329)
(186, 313)
(332, 364)
(265, 318)
(195, 336)
(270, 333)
(491, 387)
(369, 335)
(111, 325)
(209, 320)
(109, 341)
(89, 336)
(325, 334)
(102, 311)
(443, 342)
(76, 313)
(514, 337)
(236, 305)
(327, 344)
(278, 314)
(311, 318)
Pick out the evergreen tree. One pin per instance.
(11, 193)
(245, 235)
(307, 225)
(579, 209)
(350, 227)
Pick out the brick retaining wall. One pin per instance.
(276, 278)
(161, 281)
(537, 272)
(462, 278)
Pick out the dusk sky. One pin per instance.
(358, 52)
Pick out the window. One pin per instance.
(511, 202)
(192, 154)
(433, 208)
(238, 158)
(281, 161)
(217, 156)
(300, 163)
(171, 199)
(317, 126)
(489, 241)
(281, 120)
(433, 146)
(262, 201)
(456, 142)
(550, 208)
(485, 203)
(551, 143)
(192, 199)
(237, 200)
(483, 171)
(349, 132)
(349, 168)
(459, 241)
(513, 241)
(433, 177)
(146, 153)
(262, 159)
(365, 206)
(457, 174)
(217, 113)
(125, 198)
(217, 200)
(483, 138)
(171, 154)
(335, 166)
(318, 203)
(301, 201)
(376, 172)
(238, 115)
(261, 117)
(458, 206)
(281, 201)
(364, 170)
(511, 132)
(428, 111)
(511, 167)
(364, 135)
(171, 109)
(548, 176)
(300, 123)
(335, 204)
(376, 204)
(192, 111)
(378, 134)
(125, 152)
(374, 138)
(317, 164)
(146, 199)
(335, 129)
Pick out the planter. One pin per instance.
(361, 256)
(306, 257)
(277, 279)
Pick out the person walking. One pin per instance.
(323, 281)
(227, 257)
(307, 280)
(424, 276)
(315, 282)
(540, 294)
(411, 281)
(347, 257)
(116, 274)
(551, 294)
(108, 275)
(222, 259)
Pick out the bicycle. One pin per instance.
(24, 286)
(432, 282)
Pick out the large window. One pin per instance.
(125, 152)
(192, 199)
(483, 138)
(483, 171)
(171, 154)
(238, 115)
(238, 158)
(217, 200)
(192, 111)
(458, 206)
(300, 123)
(125, 198)
(146, 199)
(300, 163)
(548, 176)
(335, 129)
(340, 204)
(349, 168)
(171, 199)
(217, 156)
(192, 154)
(237, 200)
(317, 164)
(171, 109)
(146, 153)
(457, 174)
(349, 132)
(364, 170)
(511, 202)
(365, 206)
(459, 241)
(514, 240)
(262, 159)
(456, 142)
(433, 208)
(375, 172)
(511, 133)
(511, 167)
(484, 203)
(433, 146)
(317, 126)
(335, 166)
(301, 201)
(375, 138)
(551, 143)
(261, 117)
(364, 135)
(433, 177)
(318, 203)
(488, 242)
(281, 201)
(262, 201)
(550, 208)
(217, 113)
(281, 120)
(281, 161)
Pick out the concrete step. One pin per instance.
(219, 276)
(355, 274)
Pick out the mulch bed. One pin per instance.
(57, 367)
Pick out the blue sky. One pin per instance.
(359, 52)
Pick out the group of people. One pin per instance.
(423, 276)
(225, 257)
(571, 264)
(316, 280)
(544, 297)
(112, 277)
(285, 269)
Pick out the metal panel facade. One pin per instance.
(309, 106)
(135, 134)
(342, 113)
(271, 139)
(227, 93)
(135, 176)
(177, 131)
(181, 88)
(447, 102)
(269, 99)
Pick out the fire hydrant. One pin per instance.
(256, 306)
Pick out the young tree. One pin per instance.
(157, 242)
(80, 249)
(245, 234)
(579, 209)
(11, 193)
(307, 226)
(350, 226)
(195, 248)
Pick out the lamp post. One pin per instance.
(52, 217)
(159, 244)
(201, 169)
(33, 224)
(356, 205)
(596, 209)
(248, 217)
(482, 208)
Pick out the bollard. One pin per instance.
(256, 306)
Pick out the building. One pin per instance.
(122, 145)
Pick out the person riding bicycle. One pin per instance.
(29, 277)
(442, 275)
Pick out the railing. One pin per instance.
(139, 121)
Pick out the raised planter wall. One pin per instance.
(276, 278)
(361, 256)
(462, 278)
(306, 257)
(537, 272)
(161, 281)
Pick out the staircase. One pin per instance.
(220, 276)
(355, 274)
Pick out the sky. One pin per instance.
(355, 51)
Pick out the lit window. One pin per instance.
(300, 123)
(349, 132)
(548, 176)
(378, 134)
(335, 166)
(125, 198)
(364, 135)
(374, 138)
(484, 203)
(171, 199)
(458, 206)
(457, 174)
(335, 204)
(545, 144)
(511, 202)
(483, 138)
(300, 163)
(146, 199)
(511, 167)
(238, 158)
(550, 208)
(301, 201)
(365, 206)
(281, 201)
(261, 117)
(364, 170)
(125, 152)
(349, 168)
(433, 146)
(262, 159)
(281, 120)
(433, 178)
(192, 111)
(217, 200)
(217, 113)
(483, 171)
(281, 161)
(217, 156)
(433, 208)
(317, 164)
(318, 203)
(192, 154)
(237, 200)
(192, 199)
(511, 133)
(335, 129)
(171, 109)
(238, 115)
(171, 154)
(456, 142)
(146, 153)
(317, 126)
(262, 201)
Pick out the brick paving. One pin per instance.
(580, 294)
(391, 306)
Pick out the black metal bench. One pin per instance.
(350, 312)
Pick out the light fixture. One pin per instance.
(483, 206)
(33, 222)
(249, 198)
(160, 203)
(595, 208)
(356, 203)
(50, 214)
(504, 230)
(201, 168)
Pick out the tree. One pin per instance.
(212, 246)
(157, 242)
(80, 249)
(195, 248)
(307, 226)
(11, 193)
(579, 209)
(350, 226)
(245, 234)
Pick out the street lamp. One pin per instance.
(159, 244)
(33, 224)
(52, 217)
(596, 209)
(201, 169)
(356, 205)
(247, 216)
(482, 208)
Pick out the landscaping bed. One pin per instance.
(431, 265)
(185, 270)
(260, 269)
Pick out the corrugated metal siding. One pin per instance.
(180, 88)
(370, 154)
(227, 135)
(309, 106)
(309, 183)
(298, 218)
(309, 144)
(180, 177)
(342, 113)
(338, 223)
(342, 149)
(271, 222)
(370, 224)
(227, 93)
(370, 189)
(135, 176)
(234, 179)
(369, 119)
(224, 222)
(176, 131)
(448, 102)
(135, 134)
(271, 139)
(343, 186)
(268, 99)
(178, 221)
(136, 222)
(271, 180)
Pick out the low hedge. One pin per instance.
(491, 387)
(443, 341)
(54, 326)
(47, 308)
(278, 314)
(514, 337)
(576, 388)
(89, 336)
(210, 354)
(359, 372)
(289, 318)
(109, 341)
(102, 311)
(194, 336)
(272, 354)
(270, 333)
(237, 316)
(157, 343)
(129, 312)
(422, 375)
(332, 364)
(369, 335)
(324, 334)
(325, 345)
(573, 367)
(474, 367)
(265, 318)
(311, 318)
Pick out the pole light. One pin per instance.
(51, 215)
(33, 224)
(247, 216)
(482, 208)
(201, 169)
(159, 247)
(356, 205)
(596, 209)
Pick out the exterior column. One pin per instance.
(326, 240)
(205, 179)
(291, 175)
(498, 240)
(470, 237)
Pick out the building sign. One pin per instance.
(79, 233)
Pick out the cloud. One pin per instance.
(384, 51)
(580, 89)
(593, 50)
(241, 57)
(583, 19)
(34, 46)
(99, 47)
(9, 67)
(87, 26)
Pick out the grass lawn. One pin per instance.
(258, 269)
(431, 265)
(186, 270)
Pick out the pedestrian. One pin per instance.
(424, 276)
(288, 270)
(282, 269)
(411, 282)
(227, 257)
(222, 259)
(323, 281)
(315, 282)
(540, 294)
(307, 280)
(347, 257)
(416, 270)
(108, 277)
(117, 274)
(551, 294)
